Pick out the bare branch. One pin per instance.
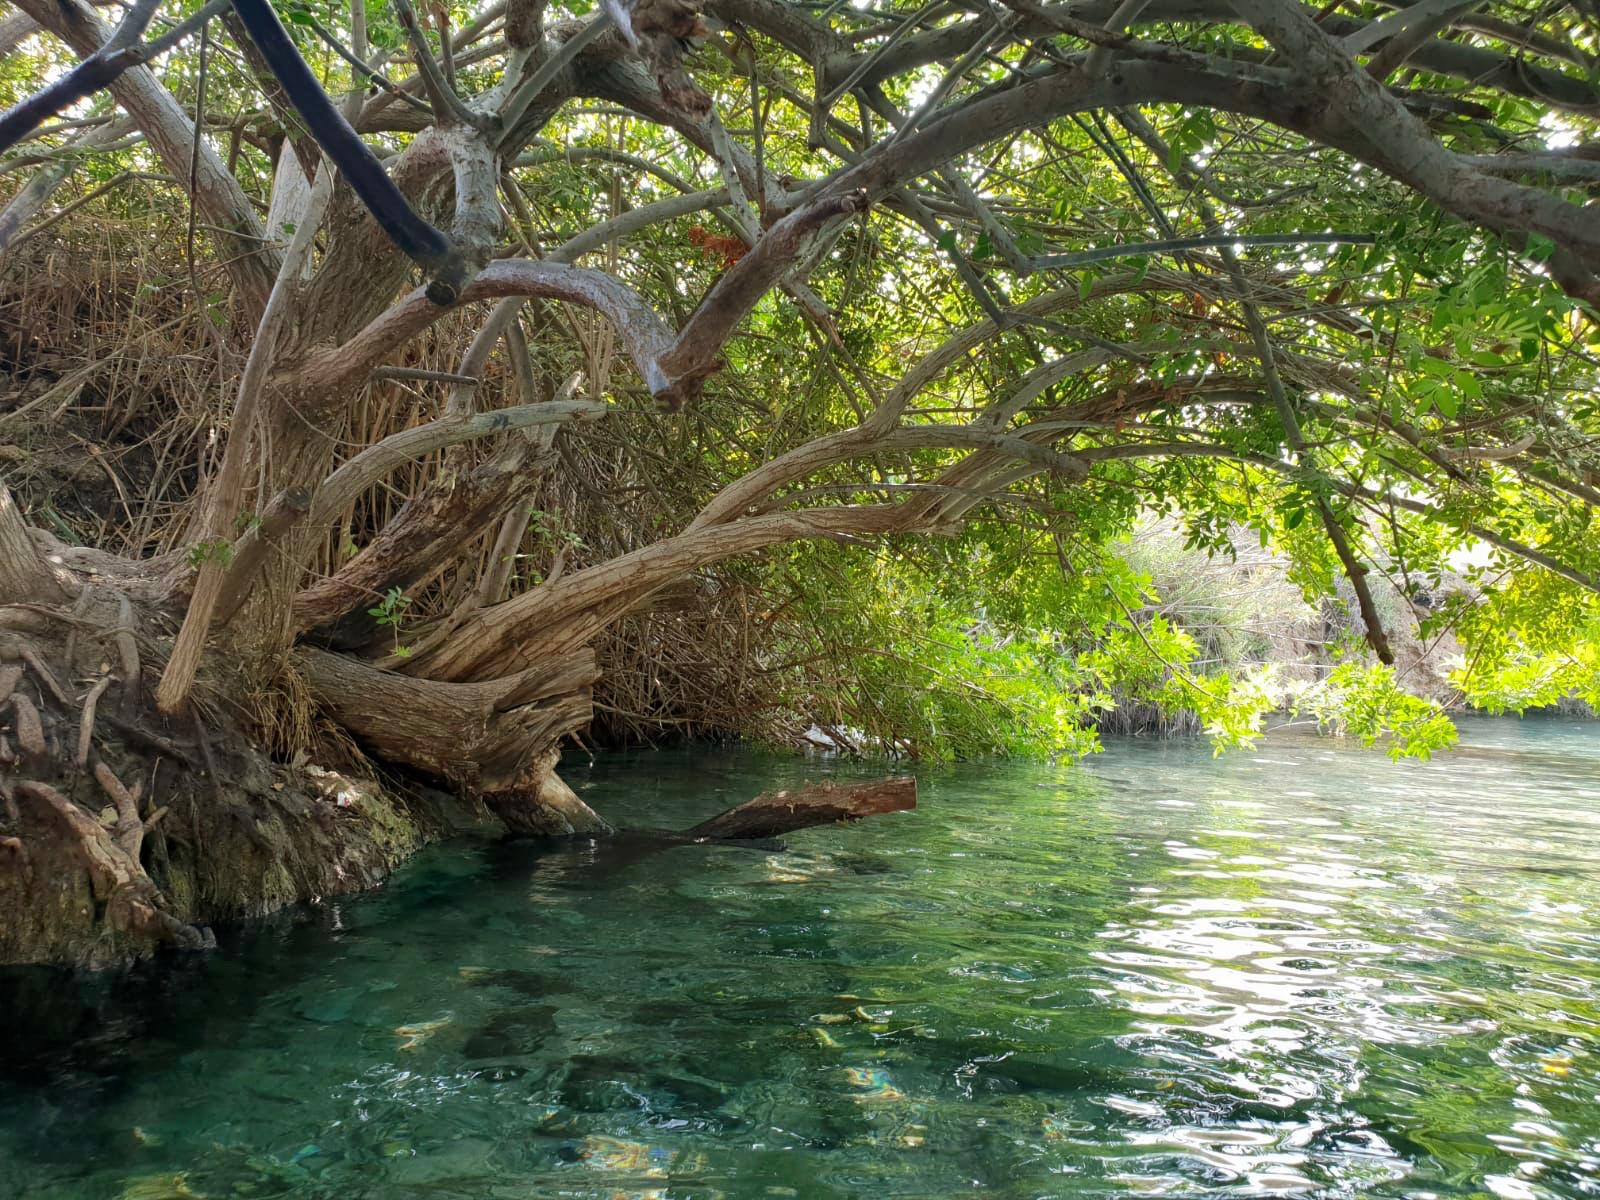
(340, 489)
(227, 488)
(32, 196)
(441, 94)
(251, 260)
(645, 337)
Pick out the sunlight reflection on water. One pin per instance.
(1309, 972)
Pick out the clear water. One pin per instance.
(1305, 972)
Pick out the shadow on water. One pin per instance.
(1306, 972)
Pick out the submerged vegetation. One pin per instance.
(890, 377)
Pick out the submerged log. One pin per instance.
(755, 824)
(773, 813)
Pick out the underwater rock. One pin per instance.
(512, 1031)
(604, 1084)
(524, 983)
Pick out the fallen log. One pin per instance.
(753, 825)
(774, 813)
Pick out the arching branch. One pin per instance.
(644, 335)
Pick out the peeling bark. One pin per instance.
(487, 737)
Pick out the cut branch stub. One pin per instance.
(133, 904)
(773, 813)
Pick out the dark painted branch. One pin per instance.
(97, 71)
(415, 237)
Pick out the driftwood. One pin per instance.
(755, 824)
(773, 813)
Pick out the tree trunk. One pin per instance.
(24, 575)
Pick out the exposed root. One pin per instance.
(543, 805)
(128, 655)
(45, 674)
(128, 832)
(30, 731)
(485, 737)
(124, 834)
(132, 901)
(86, 725)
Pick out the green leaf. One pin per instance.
(1539, 247)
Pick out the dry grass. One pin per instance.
(117, 380)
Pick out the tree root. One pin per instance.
(52, 827)
(29, 730)
(253, 835)
(132, 901)
(86, 725)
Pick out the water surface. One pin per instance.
(1306, 972)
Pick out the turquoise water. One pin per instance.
(1306, 972)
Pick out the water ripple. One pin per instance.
(1306, 973)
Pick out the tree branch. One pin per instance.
(412, 235)
(643, 334)
(250, 259)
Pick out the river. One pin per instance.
(1306, 971)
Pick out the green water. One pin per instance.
(1304, 972)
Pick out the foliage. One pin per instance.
(389, 613)
(1364, 702)
(1437, 369)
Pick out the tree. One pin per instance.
(999, 273)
